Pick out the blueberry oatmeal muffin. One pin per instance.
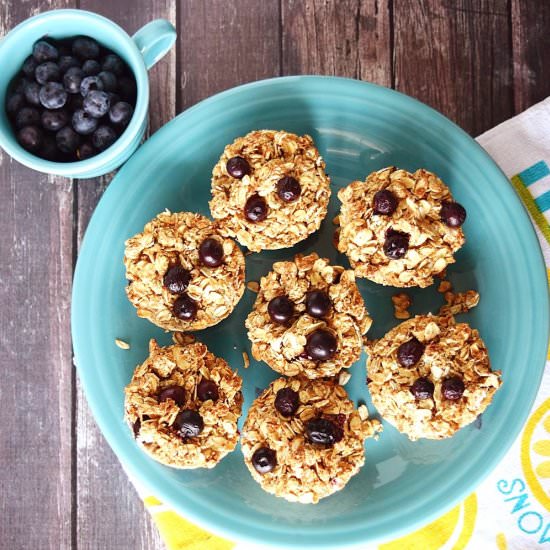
(270, 190)
(309, 318)
(399, 229)
(430, 376)
(303, 440)
(183, 274)
(183, 404)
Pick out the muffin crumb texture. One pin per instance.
(198, 295)
(457, 302)
(392, 227)
(276, 195)
(300, 470)
(401, 304)
(308, 284)
(430, 376)
(156, 420)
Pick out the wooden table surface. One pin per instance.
(478, 62)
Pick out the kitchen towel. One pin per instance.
(511, 508)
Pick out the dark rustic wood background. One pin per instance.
(478, 62)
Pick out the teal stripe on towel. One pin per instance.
(543, 201)
(534, 173)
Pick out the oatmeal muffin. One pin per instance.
(183, 404)
(399, 229)
(270, 190)
(303, 440)
(430, 376)
(183, 274)
(309, 318)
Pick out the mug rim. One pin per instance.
(80, 168)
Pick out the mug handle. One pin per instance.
(154, 40)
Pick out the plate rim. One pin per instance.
(286, 538)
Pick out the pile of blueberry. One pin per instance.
(72, 99)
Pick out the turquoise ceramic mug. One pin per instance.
(140, 52)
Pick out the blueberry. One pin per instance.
(396, 244)
(423, 388)
(67, 62)
(287, 401)
(453, 214)
(29, 66)
(32, 91)
(289, 189)
(127, 89)
(20, 84)
(136, 427)
(86, 48)
(113, 64)
(237, 167)
(113, 98)
(91, 67)
(68, 89)
(321, 431)
(188, 423)
(14, 103)
(176, 279)
(85, 151)
(90, 83)
(175, 393)
(211, 252)
(255, 208)
(72, 79)
(185, 308)
(280, 309)
(48, 150)
(453, 388)
(109, 81)
(103, 137)
(121, 113)
(96, 103)
(47, 72)
(44, 51)
(321, 345)
(318, 303)
(64, 47)
(264, 460)
(83, 123)
(410, 352)
(67, 140)
(385, 202)
(207, 390)
(53, 95)
(54, 120)
(27, 116)
(75, 102)
(30, 138)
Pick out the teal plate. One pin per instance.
(358, 128)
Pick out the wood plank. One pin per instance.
(35, 357)
(35, 346)
(531, 48)
(456, 57)
(110, 514)
(344, 38)
(224, 43)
